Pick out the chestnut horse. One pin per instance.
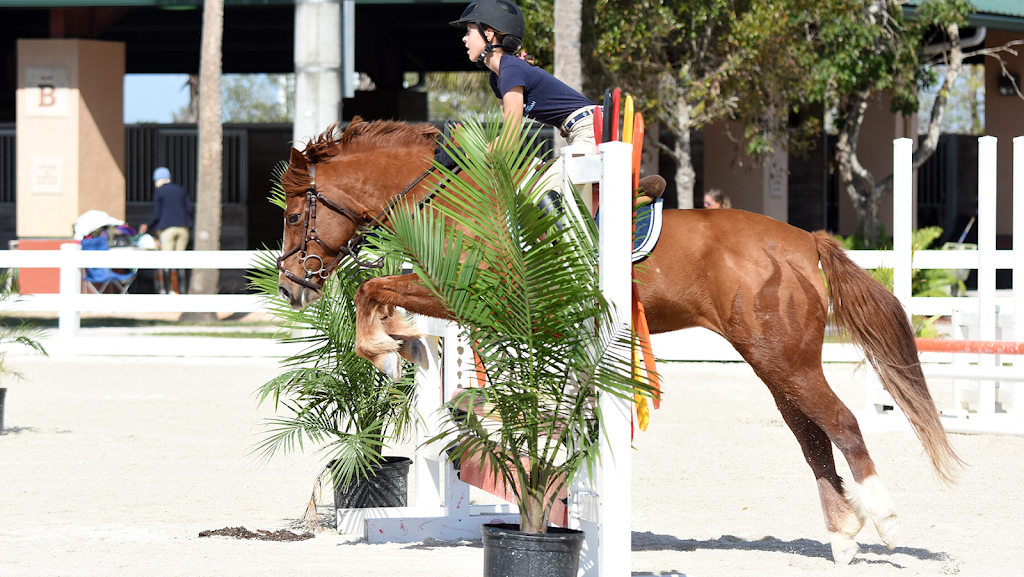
(747, 277)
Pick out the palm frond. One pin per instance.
(522, 283)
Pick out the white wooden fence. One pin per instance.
(986, 316)
(69, 303)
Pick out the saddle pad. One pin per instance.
(646, 229)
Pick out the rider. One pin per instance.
(494, 32)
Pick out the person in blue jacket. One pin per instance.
(172, 217)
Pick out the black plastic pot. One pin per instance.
(509, 552)
(388, 487)
(3, 394)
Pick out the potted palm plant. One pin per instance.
(330, 397)
(19, 333)
(522, 283)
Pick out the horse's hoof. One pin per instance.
(889, 531)
(414, 351)
(844, 549)
(391, 365)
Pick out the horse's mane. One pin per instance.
(359, 136)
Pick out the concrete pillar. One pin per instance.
(318, 68)
(70, 119)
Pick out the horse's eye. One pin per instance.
(294, 219)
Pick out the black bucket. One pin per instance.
(389, 487)
(509, 552)
(3, 395)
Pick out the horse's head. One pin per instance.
(337, 188)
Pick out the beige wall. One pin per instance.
(1004, 119)
(70, 137)
(874, 149)
(761, 187)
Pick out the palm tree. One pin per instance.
(523, 286)
(211, 146)
(327, 395)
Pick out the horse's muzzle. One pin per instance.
(297, 296)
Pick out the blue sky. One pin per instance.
(154, 97)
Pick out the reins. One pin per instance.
(354, 244)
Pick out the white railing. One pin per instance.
(69, 302)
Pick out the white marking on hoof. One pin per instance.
(872, 500)
(391, 365)
(844, 548)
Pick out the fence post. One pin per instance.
(903, 219)
(987, 147)
(616, 283)
(1018, 249)
(69, 320)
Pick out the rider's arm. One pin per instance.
(512, 109)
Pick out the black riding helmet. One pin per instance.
(501, 15)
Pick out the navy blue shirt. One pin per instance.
(171, 207)
(545, 98)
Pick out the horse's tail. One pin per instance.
(878, 323)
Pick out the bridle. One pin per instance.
(364, 228)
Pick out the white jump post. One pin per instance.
(903, 219)
(1018, 247)
(902, 240)
(601, 507)
(987, 263)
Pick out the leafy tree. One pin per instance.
(258, 98)
(672, 55)
(859, 50)
(458, 95)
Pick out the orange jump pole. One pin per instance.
(963, 346)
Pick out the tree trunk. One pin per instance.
(568, 62)
(954, 68)
(533, 515)
(211, 134)
(568, 27)
(686, 176)
(858, 183)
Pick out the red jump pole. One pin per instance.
(964, 346)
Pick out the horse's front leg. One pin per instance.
(383, 335)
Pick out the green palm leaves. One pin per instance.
(522, 283)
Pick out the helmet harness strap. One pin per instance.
(480, 27)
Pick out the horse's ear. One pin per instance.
(298, 161)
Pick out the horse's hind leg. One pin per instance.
(826, 418)
(841, 518)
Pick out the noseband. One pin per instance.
(353, 246)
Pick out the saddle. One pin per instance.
(646, 226)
